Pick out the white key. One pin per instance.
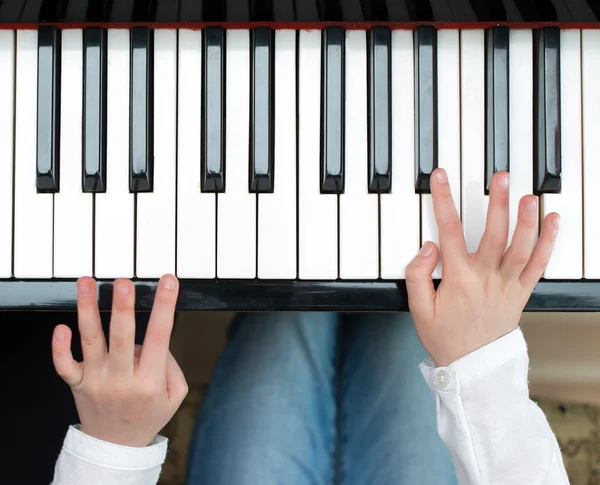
(591, 149)
(318, 214)
(33, 211)
(399, 210)
(236, 208)
(448, 133)
(155, 237)
(277, 211)
(472, 96)
(566, 261)
(114, 250)
(520, 72)
(359, 218)
(73, 209)
(7, 130)
(196, 211)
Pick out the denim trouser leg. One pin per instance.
(269, 414)
(269, 417)
(389, 432)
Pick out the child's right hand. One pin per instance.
(128, 394)
(482, 295)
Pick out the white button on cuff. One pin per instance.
(442, 379)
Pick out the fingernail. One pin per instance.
(555, 221)
(168, 283)
(123, 289)
(531, 205)
(426, 250)
(440, 176)
(84, 287)
(59, 335)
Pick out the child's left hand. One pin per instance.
(127, 394)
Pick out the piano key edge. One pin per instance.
(230, 295)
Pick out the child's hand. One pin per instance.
(128, 394)
(482, 295)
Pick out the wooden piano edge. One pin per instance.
(254, 295)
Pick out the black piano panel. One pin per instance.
(196, 295)
(115, 11)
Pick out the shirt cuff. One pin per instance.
(474, 365)
(110, 455)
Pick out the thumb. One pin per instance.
(177, 387)
(66, 367)
(419, 284)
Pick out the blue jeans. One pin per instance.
(319, 399)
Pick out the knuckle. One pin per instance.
(161, 334)
(147, 390)
(90, 340)
(119, 390)
(521, 259)
(118, 344)
(451, 224)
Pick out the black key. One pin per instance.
(141, 131)
(94, 110)
(48, 109)
(496, 103)
(213, 111)
(379, 103)
(426, 143)
(332, 111)
(537, 10)
(262, 90)
(546, 111)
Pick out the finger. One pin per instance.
(541, 252)
(419, 284)
(524, 238)
(66, 366)
(93, 343)
(177, 387)
(493, 242)
(158, 335)
(452, 239)
(122, 329)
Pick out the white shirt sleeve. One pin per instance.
(495, 434)
(85, 460)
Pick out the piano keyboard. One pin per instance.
(286, 154)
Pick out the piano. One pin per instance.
(275, 154)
